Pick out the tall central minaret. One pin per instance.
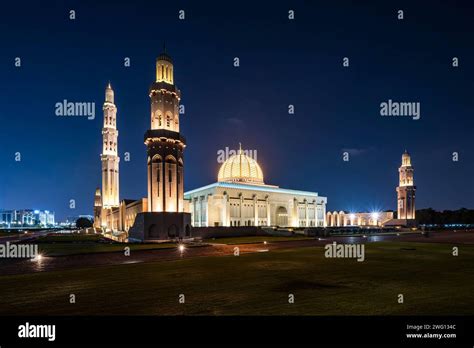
(406, 189)
(165, 145)
(109, 157)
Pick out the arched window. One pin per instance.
(168, 121)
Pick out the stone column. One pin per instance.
(241, 196)
(306, 213)
(225, 214)
(267, 202)
(294, 219)
(207, 209)
(201, 211)
(255, 210)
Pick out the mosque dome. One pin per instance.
(240, 168)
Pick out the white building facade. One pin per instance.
(241, 198)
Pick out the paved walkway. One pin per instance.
(47, 264)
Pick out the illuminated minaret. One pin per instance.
(165, 145)
(406, 189)
(165, 217)
(97, 208)
(109, 157)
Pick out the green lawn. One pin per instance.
(60, 245)
(432, 281)
(61, 249)
(254, 239)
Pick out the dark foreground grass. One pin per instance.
(430, 278)
(63, 249)
(8, 234)
(75, 244)
(254, 239)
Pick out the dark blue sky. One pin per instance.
(282, 62)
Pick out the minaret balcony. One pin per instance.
(163, 133)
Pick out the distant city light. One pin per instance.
(181, 247)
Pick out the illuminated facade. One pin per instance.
(166, 216)
(110, 159)
(97, 208)
(163, 214)
(406, 189)
(165, 145)
(241, 198)
(346, 219)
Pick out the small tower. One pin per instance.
(97, 208)
(406, 190)
(109, 157)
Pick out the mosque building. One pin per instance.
(240, 197)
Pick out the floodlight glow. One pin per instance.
(37, 258)
(181, 248)
(375, 215)
(352, 216)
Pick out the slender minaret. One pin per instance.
(406, 189)
(97, 208)
(165, 145)
(110, 159)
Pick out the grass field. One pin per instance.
(75, 244)
(62, 249)
(254, 239)
(430, 278)
(6, 234)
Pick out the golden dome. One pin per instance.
(240, 168)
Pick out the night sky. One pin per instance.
(282, 62)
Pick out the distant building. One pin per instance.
(406, 190)
(405, 205)
(26, 218)
(97, 209)
(347, 219)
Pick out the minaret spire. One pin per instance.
(109, 157)
(406, 189)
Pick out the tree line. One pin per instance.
(432, 217)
